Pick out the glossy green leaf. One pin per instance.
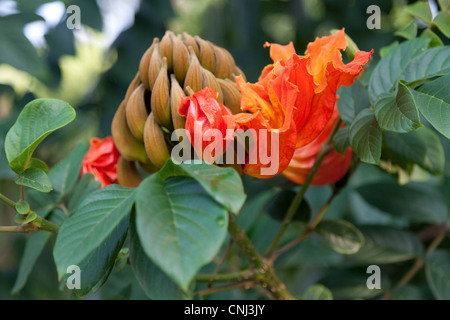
(22, 207)
(65, 174)
(435, 41)
(389, 70)
(31, 217)
(33, 249)
(341, 235)
(92, 237)
(36, 179)
(340, 140)
(387, 245)
(421, 10)
(365, 137)
(437, 268)
(433, 62)
(38, 164)
(82, 190)
(433, 101)
(397, 113)
(180, 226)
(37, 120)
(385, 50)
(419, 205)
(442, 21)
(408, 32)
(317, 292)
(156, 284)
(421, 147)
(351, 101)
(223, 184)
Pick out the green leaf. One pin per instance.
(38, 164)
(408, 292)
(385, 50)
(437, 268)
(408, 32)
(37, 120)
(435, 41)
(279, 205)
(33, 249)
(389, 70)
(341, 235)
(340, 140)
(65, 174)
(92, 237)
(387, 245)
(397, 113)
(433, 101)
(365, 137)
(36, 179)
(31, 217)
(352, 100)
(223, 184)
(421, 147)
(317, 292)
(22, 207)
(156, 284)
(83, 189)
(421, 10)
(418, 205)
(180, 226)
(444, 5)
(442, 21)
(432, 63)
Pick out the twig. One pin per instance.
(222, 261)
(244, 284)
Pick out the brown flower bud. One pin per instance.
(166, 48)
(193, 77)
(180, 58)
(176, 93)
(154, 142)
(127, 174)
(154, 66)
(160, 99)
(136, 112)
(133, 85)
(129, 147)
(231, 95)
(224, 63)
(207, 56)
(208, 80)
(190, 42)
(145, 63)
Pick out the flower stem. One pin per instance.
(264, 272)
(226, 277)
(7, 201)
(324, 151)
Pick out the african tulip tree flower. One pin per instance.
(101, 160)
(205, 117)
(333, 167)
(295, 96)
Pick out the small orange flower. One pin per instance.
(203, 113)
(101, 160)
(333, 167)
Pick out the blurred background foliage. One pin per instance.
(92, 67)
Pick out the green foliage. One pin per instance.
(341, 235)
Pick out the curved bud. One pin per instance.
(154, 66)
(129, 147)
(133, 85)
(160, 99)
(180, 59)
(166, 48)
(238, 72)
(231, 95)
(207, 56)
(136, 112)
(208, 80)
(193, 77)
(224, 63)
(176, 93)
(190, 42)
(145, 63)
(154, 142)
(127, 174)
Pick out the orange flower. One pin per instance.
(333, 167)
(204, 113)
(101, 160)
(295, 97)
